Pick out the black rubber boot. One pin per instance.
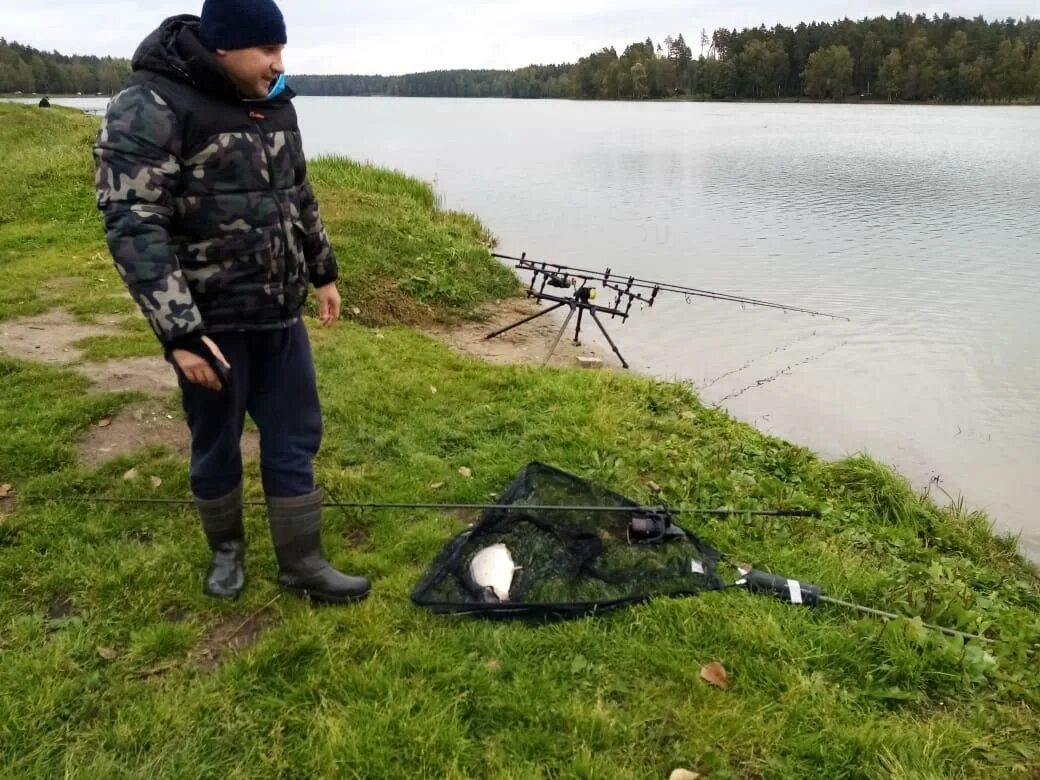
(222, 523)
(303, 569)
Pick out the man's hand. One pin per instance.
(196, 369)
(328, 304)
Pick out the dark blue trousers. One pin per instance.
(272, 378)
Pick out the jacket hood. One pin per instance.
(174, 50)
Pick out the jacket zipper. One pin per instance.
(256, 116)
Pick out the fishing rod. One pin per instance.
(653, 529)
(557, 274)
(649, 524)
(648, 511)
(582, 285)
(809, 595)
(659, 528)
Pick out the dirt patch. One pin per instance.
(148, 375)
(49, 337)
(231, 636)
(145, 425)
(529, 343)
(132, 429)
(175, 614)
(61, 606)
(8, 505)
(355, 537)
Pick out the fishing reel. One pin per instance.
(564, 282)
(653, 527)
(559, 280)
(585, 294)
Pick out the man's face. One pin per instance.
(253, 69)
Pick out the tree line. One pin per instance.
(27, 70)
(912, 58)
(908, 58)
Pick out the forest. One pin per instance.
(904, 58)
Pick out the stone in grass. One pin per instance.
(587, 361)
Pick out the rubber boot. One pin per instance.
(222, 524)
(303, 569)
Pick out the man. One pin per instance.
(214, 227)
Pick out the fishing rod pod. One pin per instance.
(626, 291)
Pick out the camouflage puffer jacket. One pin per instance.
(209, 215)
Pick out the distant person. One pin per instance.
(45, 103)
(214, 227)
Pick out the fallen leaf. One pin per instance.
(107, 653)
(436, 486)
(715, 673)
(683, 774)
(104, 423)
(131, 474)
(433, 389)
(6, 490)
(156, 481)
(356, 311)
(466, 472)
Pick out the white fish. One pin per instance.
(492, 568)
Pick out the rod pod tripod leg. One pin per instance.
(559, 335)
(525, 320)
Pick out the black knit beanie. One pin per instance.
(240, 24)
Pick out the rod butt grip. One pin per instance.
(782, 588)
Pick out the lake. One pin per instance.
(919, 223)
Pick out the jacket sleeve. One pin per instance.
(137, 165)
(322, 267)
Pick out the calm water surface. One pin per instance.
(920, 223)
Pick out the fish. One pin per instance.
(492, 569)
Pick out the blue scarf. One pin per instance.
(277, 87)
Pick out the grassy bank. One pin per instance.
(115, 665)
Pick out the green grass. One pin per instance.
(384, 689)
(402, 259)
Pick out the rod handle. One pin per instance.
(785, 589)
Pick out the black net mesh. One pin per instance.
(567, 563)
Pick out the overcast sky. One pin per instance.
(403, 36)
